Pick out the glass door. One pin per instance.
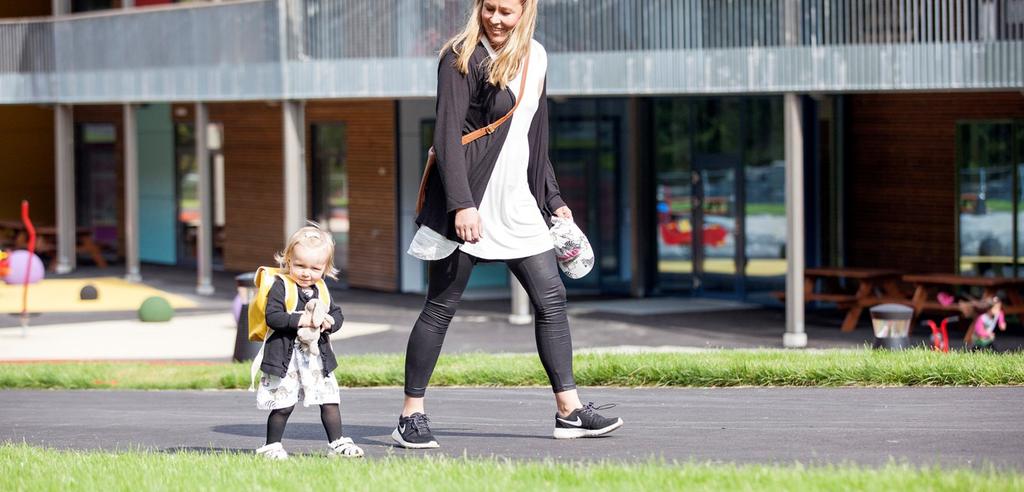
(330, 186)
(698, 162)
(715, 247)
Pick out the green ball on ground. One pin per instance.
(156, 309)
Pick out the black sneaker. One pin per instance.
(585, 422)
(414, 432)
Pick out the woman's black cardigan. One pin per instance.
(458, 180)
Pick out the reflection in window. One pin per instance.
(330, 187)
(586, 153)
(97, 183)
(988, 171)
(765, 173)
(187, 172)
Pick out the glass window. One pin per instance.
(98, 183)
(765, 174)
(187, 169)
(586, 152)
(88, 5)
(673, 123)
(988, 171)
(719, 193)
(330, 186)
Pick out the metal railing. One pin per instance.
(255, 49)
(372, 28)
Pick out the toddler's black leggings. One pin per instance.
(447, 280)
(330, 415)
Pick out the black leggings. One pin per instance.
(447, 281)
(330, 416)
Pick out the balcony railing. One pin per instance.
(276, 49)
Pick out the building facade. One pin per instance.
(677, 127)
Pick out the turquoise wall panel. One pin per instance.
(157, 242)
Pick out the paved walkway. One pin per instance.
(953, 427)
(380, 323)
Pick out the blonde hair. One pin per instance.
(312, 236)
(505, 66)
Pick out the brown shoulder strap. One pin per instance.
(471, 136)
(489, 129)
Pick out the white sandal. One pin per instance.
(345, 448)
(273, 451)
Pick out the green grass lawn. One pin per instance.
(721, 368)
(24, 467)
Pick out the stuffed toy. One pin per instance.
(309, 337)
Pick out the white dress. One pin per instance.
(513, 226)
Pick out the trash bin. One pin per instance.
(891, 323)
(244, 349)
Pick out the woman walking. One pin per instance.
(490, 197)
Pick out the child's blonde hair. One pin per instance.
(312, 236)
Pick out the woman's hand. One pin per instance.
(564, 212)
(468, 226)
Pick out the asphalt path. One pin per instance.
(951, 427)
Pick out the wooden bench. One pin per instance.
(926, 287)
(874, 286)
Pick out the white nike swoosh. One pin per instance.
(401, 429)
(577, 423)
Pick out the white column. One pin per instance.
(60, 7)
(294, 113)
(520, 314)
(131, 194)
(127, 4)
(204, 239)
(795, 337)
(64, 143)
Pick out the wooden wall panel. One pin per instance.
(901, 175)
(27, 163)
(372, 168)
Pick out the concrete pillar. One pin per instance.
(127, 4)
(64, 142)
(131, 194)
(294, 113)
(795, 337)
(520, 314)
(204, 240)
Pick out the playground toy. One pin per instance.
(940, 335)
(5, 263)
(156, 309)
(28, 268)
(23, 266)
(88, 293)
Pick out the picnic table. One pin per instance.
(927, 285)
(47, 240)
(875, 286)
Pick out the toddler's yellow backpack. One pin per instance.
(265, 278)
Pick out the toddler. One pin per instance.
(292, 370)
